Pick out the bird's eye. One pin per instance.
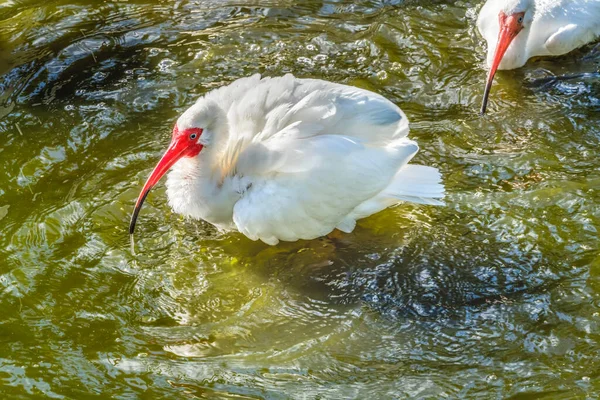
(193, 136)
(520, 20)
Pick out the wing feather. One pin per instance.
(313, 151)
(304, 205)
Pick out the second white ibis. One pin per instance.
(516, 30)
(287, 159)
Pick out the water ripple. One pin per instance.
(494, 295)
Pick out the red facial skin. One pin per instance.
(183, 144)
(510, 26)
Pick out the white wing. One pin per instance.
(570, 37)
(305, 202)
(564, 26)
(260, 108)
(313, 151)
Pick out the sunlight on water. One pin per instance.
(494, 295)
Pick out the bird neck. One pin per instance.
(196, 189)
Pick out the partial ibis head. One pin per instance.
(184, 143)
(195, 129)
(505, 18)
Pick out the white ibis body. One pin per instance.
(516, 30)
(287, 159)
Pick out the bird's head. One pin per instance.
(195, 129)
(513, 16)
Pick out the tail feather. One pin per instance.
(417, 184)
(414, 183)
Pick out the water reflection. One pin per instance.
(494, 294)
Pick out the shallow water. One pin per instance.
(496, 295)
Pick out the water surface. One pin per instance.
(495, 295)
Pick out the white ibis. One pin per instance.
(521, 29)
(287, 159)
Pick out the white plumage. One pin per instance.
(516, 30)
(287, 159)
(550, 28)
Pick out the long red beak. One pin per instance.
(509, 28)
(177, 149)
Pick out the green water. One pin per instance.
(496, 295)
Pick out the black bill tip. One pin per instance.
(486, 95)
(136, 211)
(486, 92)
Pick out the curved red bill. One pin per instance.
(176, 151)
(509, 28)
